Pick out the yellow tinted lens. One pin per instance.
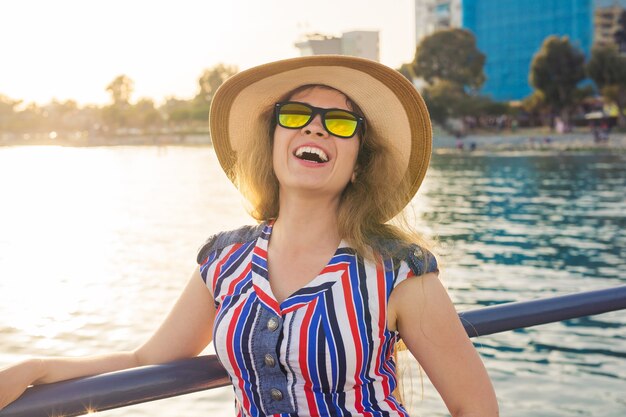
(294, 115)
(340, 123)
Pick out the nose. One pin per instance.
(315, 127)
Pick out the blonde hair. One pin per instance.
(371, 207)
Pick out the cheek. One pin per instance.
(279, 151)
(351, 152)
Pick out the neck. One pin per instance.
(306, 221)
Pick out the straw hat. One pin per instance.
(393, 108)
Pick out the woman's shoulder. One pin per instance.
(418, 258)
(226, 238)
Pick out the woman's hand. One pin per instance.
(421, 310)
(16, 378)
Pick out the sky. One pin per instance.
(72, 49)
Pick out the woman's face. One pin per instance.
(294, 170)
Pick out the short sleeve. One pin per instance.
(206, 259)
(205, 250)
(420, 260)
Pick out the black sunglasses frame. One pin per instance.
(360, 121)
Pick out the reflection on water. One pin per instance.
(96, 243)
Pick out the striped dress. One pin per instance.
(323, 351)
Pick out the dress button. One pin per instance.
(269, 360)
(276, 394)
(272, 324)
(418, 253)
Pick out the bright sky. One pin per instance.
(72, 49)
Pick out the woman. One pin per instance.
(306, 308)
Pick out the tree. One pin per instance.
(556, 70)
(117, 114)
(406, 69)
(144, 115)
(450, 55)
(212, 78)
(7, 111)
(607, 69)
(121, 88)
(209, 82)
(445, 99)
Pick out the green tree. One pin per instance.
(61, 116)
(445, 99)
(121, 88)
(7, 112)
(607, 69)
(212, 78)
(117, 114)
(406, 69)
(209, 82)
(177, 112)
(144, 115)
(450, 55)
(556, 70)
(450, 62)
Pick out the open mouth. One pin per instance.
(311, 154)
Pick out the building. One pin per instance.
(364, 44)
(606, 23)
(510, 32)
(361, 43)
(318, 44)
(434, 15)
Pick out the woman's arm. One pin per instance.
(185, 332)
(422, 312)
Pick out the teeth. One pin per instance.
(301, 150)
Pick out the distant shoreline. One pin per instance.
(530, 141)
(522, 140)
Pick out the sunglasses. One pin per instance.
(341, 123)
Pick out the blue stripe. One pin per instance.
(205, 267)
(332, 355)
(368, 392)
(238, 352)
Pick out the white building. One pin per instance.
(434, 15)
(361, 43)
(318, 44)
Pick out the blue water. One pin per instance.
(96, 243)
(520, 227)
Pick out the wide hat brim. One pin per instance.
(393, 108)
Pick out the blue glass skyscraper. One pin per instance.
(510, 32)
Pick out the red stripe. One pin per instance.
(305, 345)
(347, 293)
(260, 252)
(233, 284)
(231, 355)
(267, 299)
(410, 274)
(341, 266)
(218, 267)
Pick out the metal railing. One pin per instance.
(149, 383)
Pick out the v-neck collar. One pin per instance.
(330, 274)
